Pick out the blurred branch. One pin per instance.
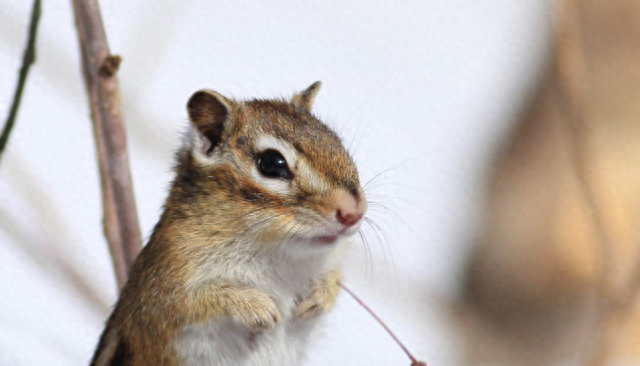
(99, 66)
(572, 73)
(571, 69)
(28, 59)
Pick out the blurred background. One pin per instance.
(501, 135)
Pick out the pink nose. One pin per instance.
(348, 218)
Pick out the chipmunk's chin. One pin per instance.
(325, 239)
(332, 238)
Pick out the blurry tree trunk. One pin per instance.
(551, 277)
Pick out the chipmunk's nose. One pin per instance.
(350, 208)
(348, 218)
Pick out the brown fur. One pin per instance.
(212, 205)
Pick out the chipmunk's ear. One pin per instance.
(304, 99)
(208, 112)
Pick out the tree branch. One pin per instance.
(99, 66)
(28, 59)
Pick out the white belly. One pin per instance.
(224, 343)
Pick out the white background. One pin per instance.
(434, 81)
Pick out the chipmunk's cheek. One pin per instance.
(276, 226)
(326, 239)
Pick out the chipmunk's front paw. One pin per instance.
(260, 313)
(320, 300)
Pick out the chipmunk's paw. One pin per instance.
(320, 300)
(260, 313)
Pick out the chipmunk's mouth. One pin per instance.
(331, 237)
(326, 239)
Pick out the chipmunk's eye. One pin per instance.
(273, 165)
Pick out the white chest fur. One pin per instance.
(221, 342)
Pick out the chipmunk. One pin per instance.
(248, 250)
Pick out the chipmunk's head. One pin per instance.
(270, 170)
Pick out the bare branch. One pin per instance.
(28, 59)
(121, 226)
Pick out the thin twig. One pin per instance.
(28, 59)
(121, 226)
(414, 361)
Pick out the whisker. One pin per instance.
(359, 141)
(384, 255)
(384, 234)
(355, 134)
(384, 240)
(382, 184)
(394, 215)
(394, 167)
(386, 214)
(368, 257)
(397, 198)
